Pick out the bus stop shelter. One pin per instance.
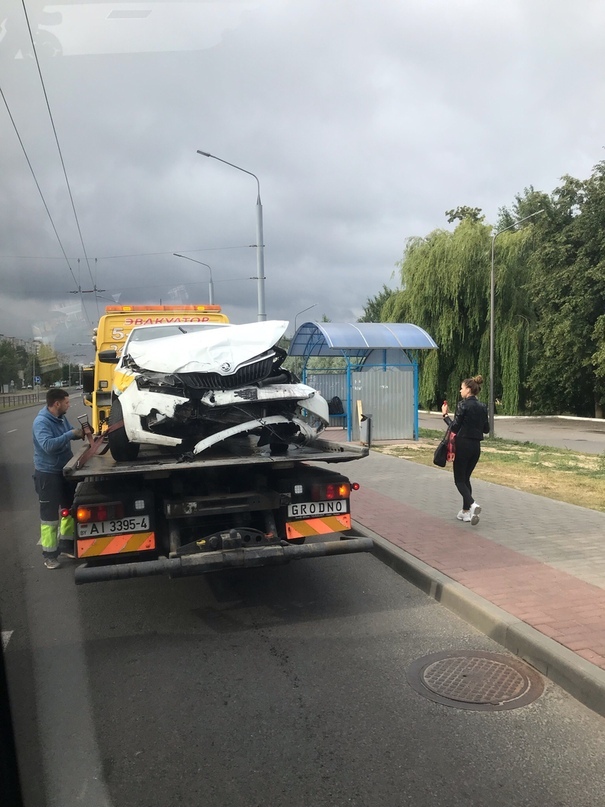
(374, 363)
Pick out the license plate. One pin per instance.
(315, 509)
(114, 526)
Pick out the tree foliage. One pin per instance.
(374, 305)
(11, 362)
(18, 366)
(446, 281)
(549, 317)
(464, 212)
(445, 292)
(567, 289)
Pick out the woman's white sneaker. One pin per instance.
(460, 515)
(475, 509)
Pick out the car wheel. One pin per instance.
(122, 450)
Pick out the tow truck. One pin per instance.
(237, 504)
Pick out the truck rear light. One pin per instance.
(330, 491)
(354, 485)
(99, 512)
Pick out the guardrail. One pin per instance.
(14, 400)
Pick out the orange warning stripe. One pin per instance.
(115, 544)
(318, 526)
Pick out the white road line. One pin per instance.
(6, 634)
(10, 431)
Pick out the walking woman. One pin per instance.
(469, 425)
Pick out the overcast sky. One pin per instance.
(363, 120)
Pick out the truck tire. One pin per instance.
(122, 450)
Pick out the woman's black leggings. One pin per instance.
(467, 456)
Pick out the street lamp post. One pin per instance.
(260, 246)
(492, 297)
(79, 356)
(210, 283)
(302, 312)
(36, 344)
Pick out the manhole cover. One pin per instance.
(475, 680)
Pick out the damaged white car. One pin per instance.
(190, 386)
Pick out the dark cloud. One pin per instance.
(364, 123)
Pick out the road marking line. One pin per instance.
(6, 634)
(10, 431)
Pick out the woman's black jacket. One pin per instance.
(470, 420)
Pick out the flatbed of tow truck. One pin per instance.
(236, 505)
(152, 461)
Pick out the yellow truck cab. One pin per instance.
(111, 334)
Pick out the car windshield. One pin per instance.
(155, 332)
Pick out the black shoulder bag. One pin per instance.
(446, 450)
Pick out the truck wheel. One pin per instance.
(122, 450)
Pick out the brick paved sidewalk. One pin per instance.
(540, 560)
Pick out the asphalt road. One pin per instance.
(577, 434)
(283, 686)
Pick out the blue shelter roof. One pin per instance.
(357, 338)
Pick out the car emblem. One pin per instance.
(225, 367)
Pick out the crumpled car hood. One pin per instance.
(218, 350)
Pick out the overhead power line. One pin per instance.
(31, 168)
(52, 122)
(33, 173)
(163, 285)
(149, 254)
(34, 257)
(113, 257)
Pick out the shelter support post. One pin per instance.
(416, 427)
(349, 403)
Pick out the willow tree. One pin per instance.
(514, 320)
(445, 279)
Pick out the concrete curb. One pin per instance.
(593, 421)
(581, 679)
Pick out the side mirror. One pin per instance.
(107, 356)
(88, 380)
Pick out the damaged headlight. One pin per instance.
(159, 383)
(185, 413)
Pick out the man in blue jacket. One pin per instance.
(52, 451)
